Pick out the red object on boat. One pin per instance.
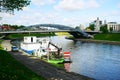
(67, 54)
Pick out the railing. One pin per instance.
(33, 31)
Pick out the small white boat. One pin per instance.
(30, 44)
(37, 46)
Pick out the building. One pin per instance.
(113, 26)
(97, 24)
(5, 28)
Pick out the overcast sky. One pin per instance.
(65, 12)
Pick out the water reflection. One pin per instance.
(99, 61)
(67, 66)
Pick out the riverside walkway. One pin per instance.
(42, 68)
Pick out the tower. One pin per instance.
(98, 23)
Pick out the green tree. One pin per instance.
(91, 27)
(15, 26)
(5, 25)
(104, 29)
(12, 5)
(111, 29)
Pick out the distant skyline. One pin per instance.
(65, 12)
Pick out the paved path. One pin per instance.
(42, 68)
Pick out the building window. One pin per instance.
(31, 39)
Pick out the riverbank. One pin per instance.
(99, 41)
(11, 69)
(108, 38)
(0, 44)
(14, 36)
(96, 41)
(42, 68)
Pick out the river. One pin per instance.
(99, 61)
(95, 60)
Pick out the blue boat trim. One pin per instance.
(28, 51)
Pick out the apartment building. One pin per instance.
(114, 26)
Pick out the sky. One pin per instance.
(66, 12)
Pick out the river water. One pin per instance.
(95, 60)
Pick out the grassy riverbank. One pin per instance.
(108, 37)
(11, 69)
(0, 44)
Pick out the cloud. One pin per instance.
(4, 17)
(42, 2)
(115, 13)
(31, 15)
(76, 5)
(39, 18)
(111, 13)
(34, 18)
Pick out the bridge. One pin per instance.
(76, 33)
(58, 28)
(32, 31)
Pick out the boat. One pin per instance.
(31, 44)
(43, 48)
(58, 61)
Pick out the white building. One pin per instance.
(98, 24)
(115, 27)
(82, 27)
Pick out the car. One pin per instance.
(14, 49)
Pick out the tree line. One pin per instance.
(11, 27)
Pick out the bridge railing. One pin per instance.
(33, 31)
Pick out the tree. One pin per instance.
(18, 27)
(104, 29)
(9, 6)
(15, 27)
(111, 29)
(91, 27)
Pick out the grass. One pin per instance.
(0, 44)
(108, 36)
(103, 36)
(11, 69)
(62, 33)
